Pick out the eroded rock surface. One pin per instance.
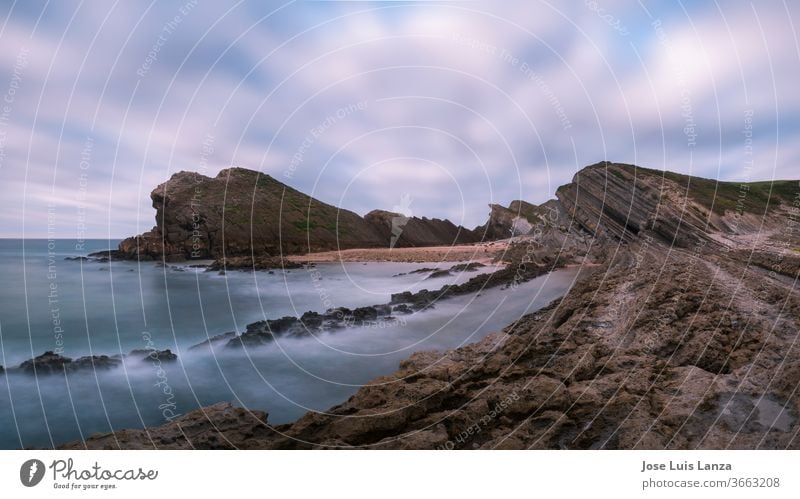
(677, 339)
(251, 218)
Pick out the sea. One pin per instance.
(50, 301)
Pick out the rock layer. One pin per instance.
(674, 341)
(625, 202)
(244, 213)
(407, 232)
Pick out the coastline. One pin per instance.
(664, 378)
(660, 343)
(227, 425)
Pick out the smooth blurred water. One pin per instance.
(114, 307)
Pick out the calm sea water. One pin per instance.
(83, 308)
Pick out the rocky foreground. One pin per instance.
(682, 335)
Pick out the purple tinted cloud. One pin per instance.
(453, 104)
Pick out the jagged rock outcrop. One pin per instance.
(620, 202)
(153, 355)
(504, 222)
(54, 363)
(522, 218)
(242, 213)
(667, 343)
(406, 232)
(625, 201)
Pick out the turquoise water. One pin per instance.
(47, 303)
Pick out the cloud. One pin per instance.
(506, 99)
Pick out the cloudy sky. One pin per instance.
(451, 105)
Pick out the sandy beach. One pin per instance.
(479, 252)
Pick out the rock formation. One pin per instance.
(403, 232)
(682, 335)
(242, 213)
(625, 201)
(55, 363)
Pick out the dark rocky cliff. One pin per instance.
(242, 212)
(624, 201)
(517, 220)
(404, 232)
(621, 201)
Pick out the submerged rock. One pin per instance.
(467, 267)
(213, 340)
(53, 363)
(219, 426)
(439, 273)
(402, 309)
(423, 270)
(310, 323)
(148, 354)
(95, 362)
(46, 363)
(312, 320)
(245, 263)
(248, 340)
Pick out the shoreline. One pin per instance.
(256, 419)
(228, 408)
(486, 252)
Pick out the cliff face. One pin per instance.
(405, 232)
(500, 225)
(624, 202)
(654, 347)
(516, 220)
(242, 212)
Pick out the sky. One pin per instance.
(436, 108)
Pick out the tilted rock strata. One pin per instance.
(623, 203)
(399, 231)
(671, 343)
(626, 360)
